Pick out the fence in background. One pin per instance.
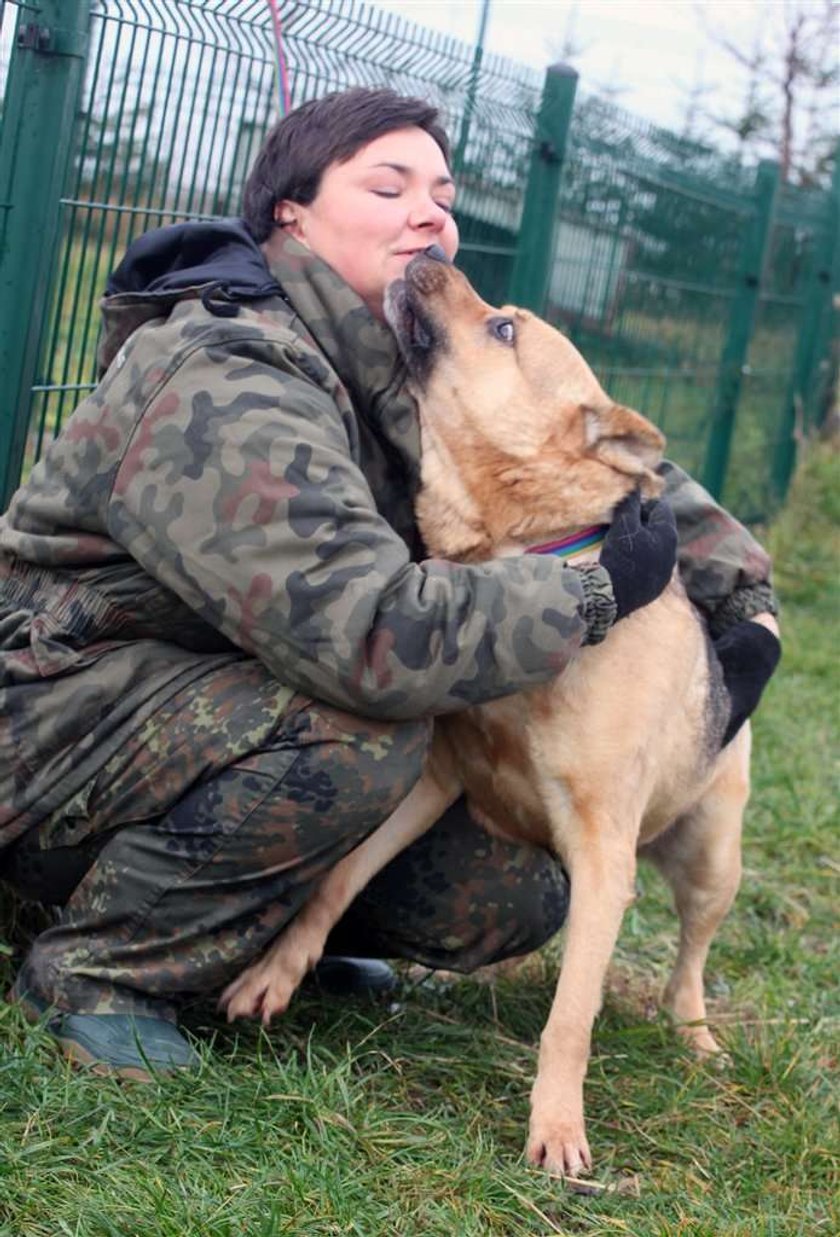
(701, 293)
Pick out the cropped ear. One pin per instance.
(623, 439)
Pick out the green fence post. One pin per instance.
(816, 403)
(830, 292)
(739, 332)
(40, 109)
(532, 266)
(472, 86)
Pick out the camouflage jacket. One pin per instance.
(241, 483)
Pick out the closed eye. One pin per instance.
(395, 193)
(502, 329)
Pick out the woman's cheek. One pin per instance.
(450, 239)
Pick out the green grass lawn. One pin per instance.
(409, 1118)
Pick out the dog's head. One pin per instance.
(518, 435)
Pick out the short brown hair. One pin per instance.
(302, 145)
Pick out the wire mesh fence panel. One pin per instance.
(767, 373)
(647, 254)
(178, 96)
(782, 379)
(648, 273)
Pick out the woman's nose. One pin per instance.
(428, 214)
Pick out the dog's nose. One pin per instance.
(435, 251)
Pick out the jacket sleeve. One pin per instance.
(727, 574)
(240, 493)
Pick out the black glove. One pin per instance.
(639, 552)
(748, 654)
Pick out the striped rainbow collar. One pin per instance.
(584, 541)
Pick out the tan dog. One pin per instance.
(616, 757)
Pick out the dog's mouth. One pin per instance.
(419, 337)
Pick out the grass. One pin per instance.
(409, 1118)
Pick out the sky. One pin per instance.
(651, 52)
(655, 50)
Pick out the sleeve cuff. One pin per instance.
(599, 609)
(744, 603)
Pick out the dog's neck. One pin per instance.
(584, 542)
(572, 545)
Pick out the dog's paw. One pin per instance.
(268, 985)
(263, 990)
(702, 1043)
(559, 1145)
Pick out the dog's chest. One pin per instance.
(493, 752)
(618, 737)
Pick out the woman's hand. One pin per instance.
(639, 552)
(769, 621)
(748, 653)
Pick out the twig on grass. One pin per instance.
(379, 1026)
(733, 1018)
(503, 1039)
(532, 1206)
(630, 1186)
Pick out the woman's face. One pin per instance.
(373, 213)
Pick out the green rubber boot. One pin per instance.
(130, 1046)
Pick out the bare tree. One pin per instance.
(791, 76)
(568, 48)
(694, 101)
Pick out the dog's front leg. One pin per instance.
(267, 986)
(601, 872)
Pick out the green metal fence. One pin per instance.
(700, 292)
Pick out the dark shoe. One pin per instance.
(129, 1045)
(347, 976)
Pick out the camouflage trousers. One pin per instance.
(197, 843)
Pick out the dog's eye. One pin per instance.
(501, 328)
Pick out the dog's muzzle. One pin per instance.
(417, 334)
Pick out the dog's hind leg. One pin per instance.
(700, 857)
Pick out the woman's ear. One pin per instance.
(289, 217)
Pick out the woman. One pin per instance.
(220, 640)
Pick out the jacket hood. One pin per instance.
(221, 265)
(191, 255)
(218, 261)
